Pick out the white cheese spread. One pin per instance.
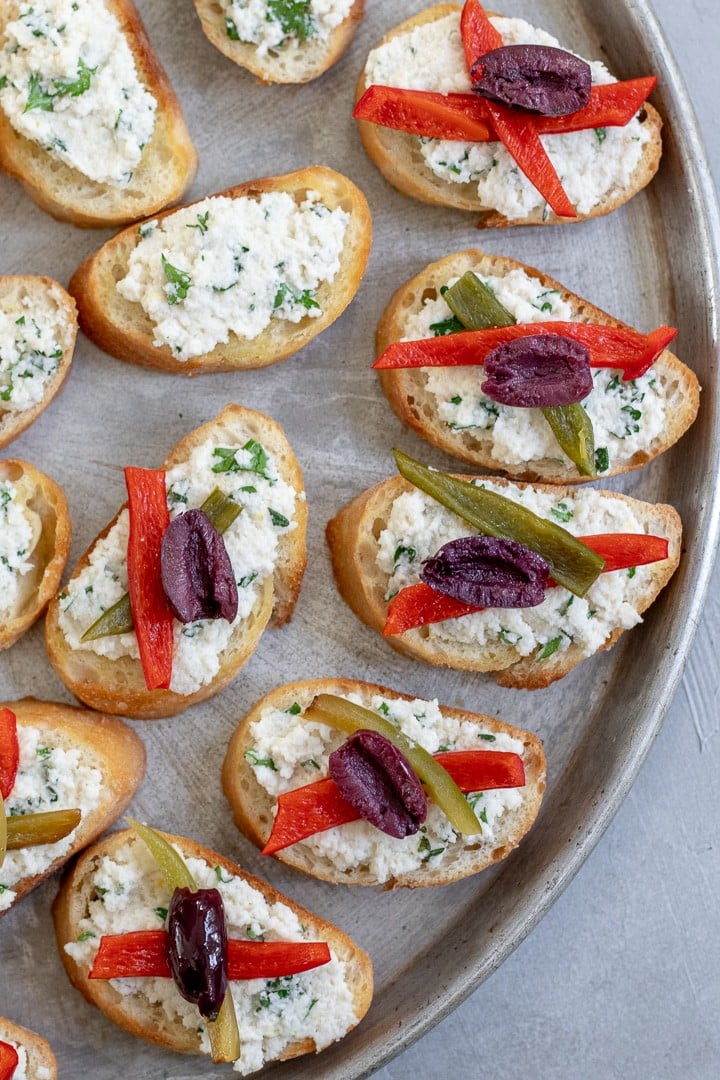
(227, 266)
(288, 752)
(26, 1069)
(49, 777)
(417, 527)
(272, 1013)
(627, 416)
(20, 530)
(244, 472)
(68, 82)
(592, 165)
(282, 24)
(34, 335)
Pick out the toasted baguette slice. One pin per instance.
(20, 295)
(408, 393)
(353, 535)
(292, 63)
(45, 505)
(165, 171)
(106, 744)
(398, 157)
(118, 685)
(134, 1013)
(39, 1063)
(122, 328)
(254, 807)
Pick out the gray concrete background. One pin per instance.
(622, 978)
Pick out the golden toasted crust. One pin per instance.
(39, 1054)
(47, 499)
(253, 808)
(407, 391)
(285, 65)
(108, 744)
(118, 686)
(166, 169)
(352, 536)
(153, 1024)
(398, 157)
(121, 327)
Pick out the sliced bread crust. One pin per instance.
(39, 1054)
(284, 65)
(352, 537)
(47, 500)
(397, 156)
(253, 808)
(407, 392)
(153, 1024)
(108, 744)
(121, 327)
(166, 169)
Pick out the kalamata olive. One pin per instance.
(538, 372)
(197, 948)
(196, 571)
(538, 78)
(379, 782)
(487, 572)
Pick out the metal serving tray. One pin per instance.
(650, 262)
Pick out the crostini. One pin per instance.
(279, 758)
(59, 762)
(241, 279)
(436, 140)
(35, 536)
(282, 1011)
(89, 123)
(24, 1055)
(237, 472)
(612, 554)
(633, 419)
(281, 41)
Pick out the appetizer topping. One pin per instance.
(283, 24)
(487, 572)
(537, 372)
(475, 305)
(197, 948)
(31, 830)
(539, 78)
(9, 1061)
(9, 751)
(34, 335)
(377, 780)
(197, 574)
(20, 531)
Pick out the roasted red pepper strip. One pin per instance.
(610, 105)
(419, 605)
(479, 36)
(152, 617)
(617, 347)
(144, 954)
(316, 807)
(9, 752)
(9, 1061)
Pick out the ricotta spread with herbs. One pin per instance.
(592, 165)
(34, 335)
(280, 24)
(68, 82)
(247, 474)
(227, 266)
(49, 777)
(130, 895)
(626, 416)
(20, 530)
(417, 527)
(25, 1070)
(288, 752)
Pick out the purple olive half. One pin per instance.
(538, 372)
(488, 573)
(539, 78)
(196, 571)
(379, 782)
(197, 948)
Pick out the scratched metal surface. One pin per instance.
(429, 949)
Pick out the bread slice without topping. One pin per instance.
(397, 155)
(165, 171)
(291, 63)
(41, 1061)
(254, 808)
(417, 406)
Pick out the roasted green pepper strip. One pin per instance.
(572, 427)
(572, 563)
(118, 619)
(223, 1032)
(339, 713)
(29, 830)
(3, 830)
(475, 305)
